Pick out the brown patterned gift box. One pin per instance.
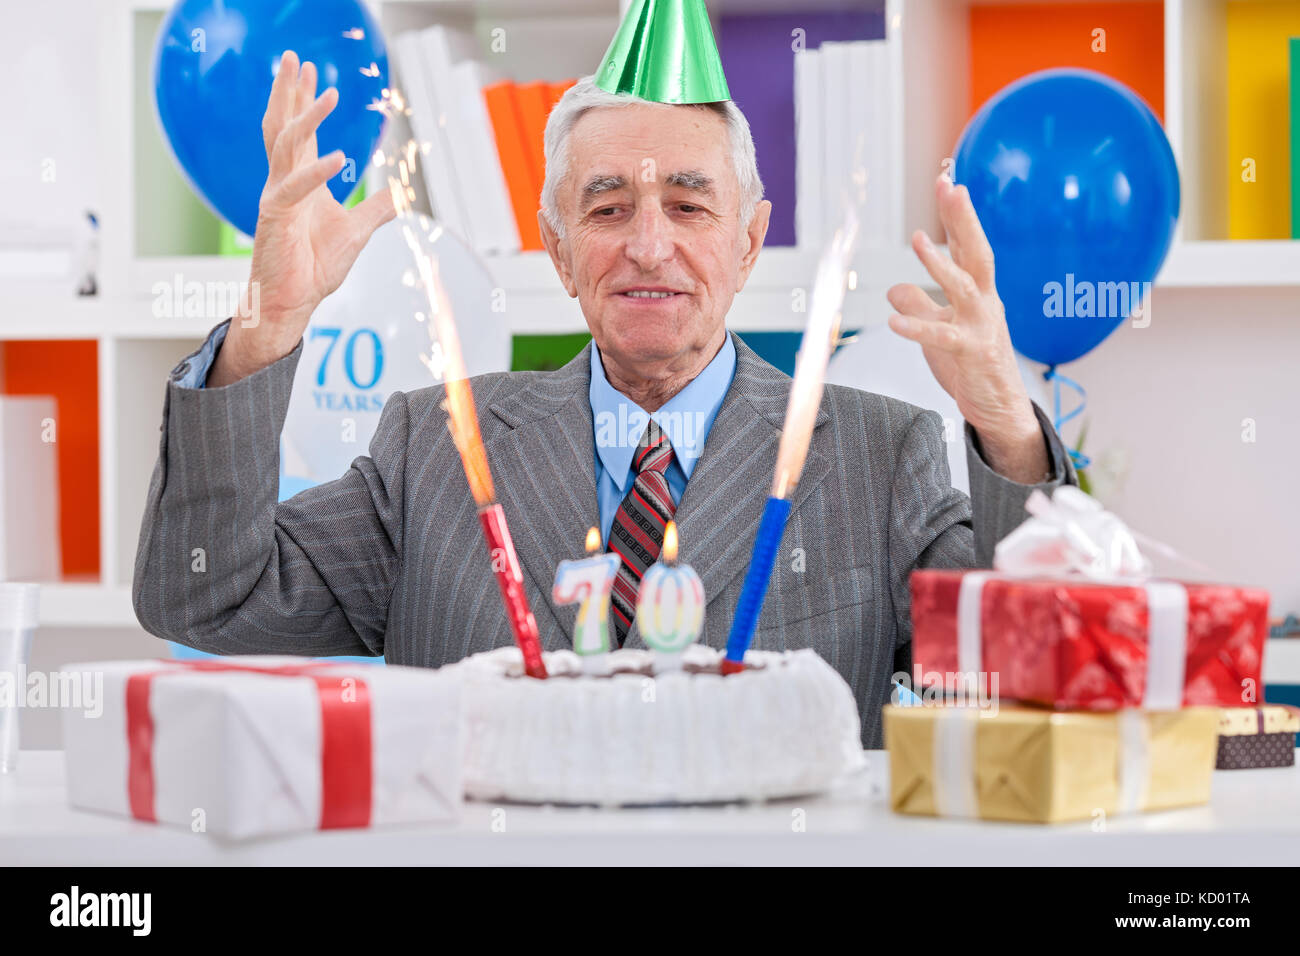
(1253, 737)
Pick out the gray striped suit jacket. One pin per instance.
(389, 558)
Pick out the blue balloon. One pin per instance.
(1076, 187)
(212, 70)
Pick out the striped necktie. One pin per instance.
(637, 534)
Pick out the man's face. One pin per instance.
(651, 204)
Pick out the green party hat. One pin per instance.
(664, 52)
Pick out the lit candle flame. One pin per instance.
(669, 553)
(593, 540)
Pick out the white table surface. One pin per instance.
(1253, 818)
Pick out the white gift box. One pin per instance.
(264, 747)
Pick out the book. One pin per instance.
(507, 127)
(877, 133)
(534, 101)
(489, 197)
(435, 161)
(1295, 136)
(759, 52)
(808, 149)
(861, 139)
(836, 139)
(1255, 41)
(436, 47)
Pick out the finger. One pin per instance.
(373, 212)
(942, 188)
(956, 283)
(306, 86)
(304, 100)
(944, 336)
(966, 240)
(303, 180)
(279, 104)
(912, 300)
(288, 152)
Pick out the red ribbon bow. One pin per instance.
(345, 759)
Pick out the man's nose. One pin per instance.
(651, 242)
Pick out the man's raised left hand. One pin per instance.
(967, 344)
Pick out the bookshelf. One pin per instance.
(154, 229)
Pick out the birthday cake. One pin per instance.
(785, 726)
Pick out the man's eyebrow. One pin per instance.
(692, 179)
(597, 186)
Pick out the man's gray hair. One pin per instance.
(585, 95)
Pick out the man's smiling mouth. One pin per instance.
(649, 293)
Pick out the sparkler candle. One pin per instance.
(819, 337)
(463, 424)
(446, 363)
(670, 605)
(587, 583)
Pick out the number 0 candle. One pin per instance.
(670, 605)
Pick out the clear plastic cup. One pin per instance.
(18, 612)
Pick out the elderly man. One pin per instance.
(653, 216)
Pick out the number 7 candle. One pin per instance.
(819, 338)
(587, 582)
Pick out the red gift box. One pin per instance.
(1083, 645)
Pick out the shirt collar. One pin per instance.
(686, 418)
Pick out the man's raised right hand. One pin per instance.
(306, 241)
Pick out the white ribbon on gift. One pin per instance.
(954, 762)
(1070, 535)
(953, 771)
(1134, 760)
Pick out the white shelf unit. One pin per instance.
(89, 605)
(144, 234)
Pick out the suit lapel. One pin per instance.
(719, 513)
(544, 471)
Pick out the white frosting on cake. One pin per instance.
(786, 726)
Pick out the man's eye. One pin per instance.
(688, 208)
(607, 209)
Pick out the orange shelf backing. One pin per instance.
(1008, 42)
(68, 370)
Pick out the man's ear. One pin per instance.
(755, 233)
(559, 251)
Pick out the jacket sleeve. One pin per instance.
(222, 567)
(933, 525)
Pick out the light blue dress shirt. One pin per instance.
(196, 375)
(619, 422)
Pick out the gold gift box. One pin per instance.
(1244, 721)
(1045, 766)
